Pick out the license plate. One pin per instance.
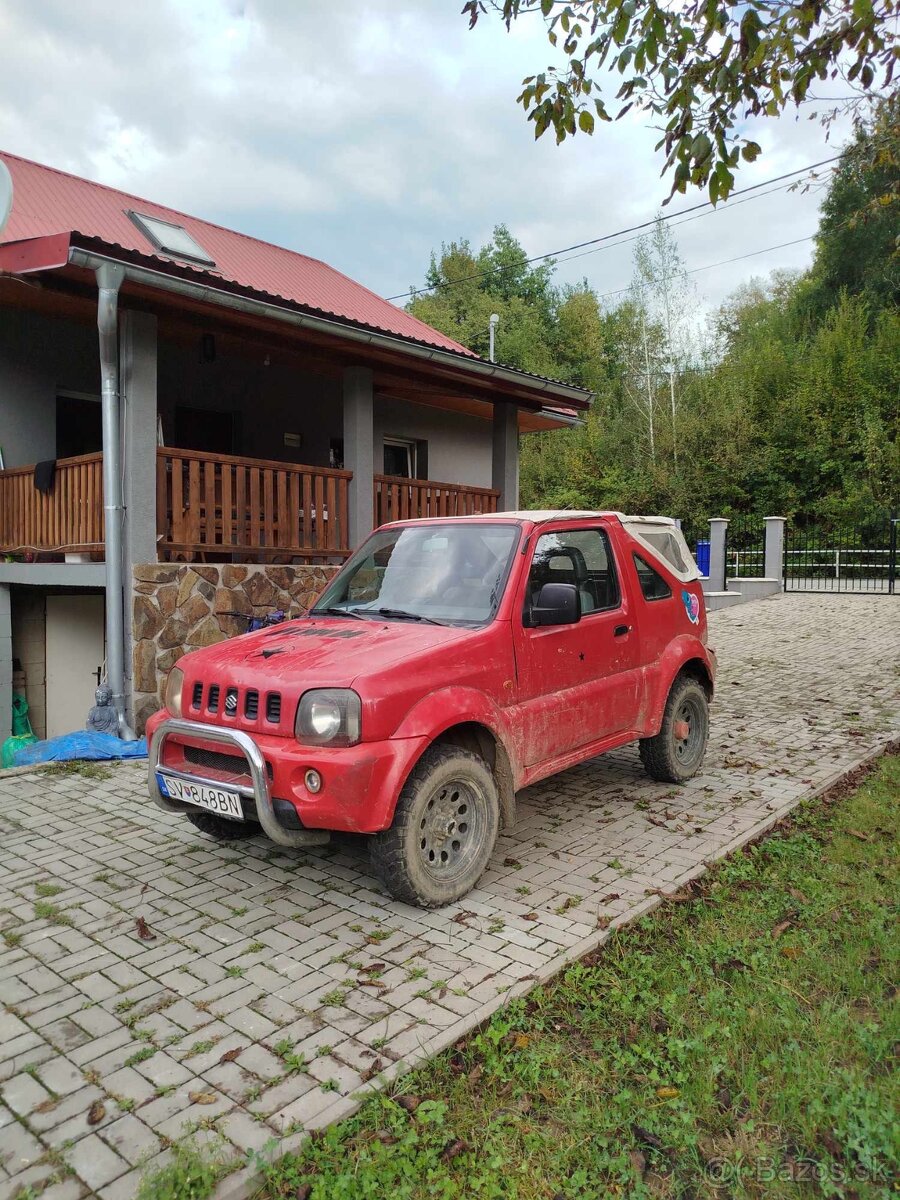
(217, 800)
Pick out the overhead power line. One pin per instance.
(619, 233)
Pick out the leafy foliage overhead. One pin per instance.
(699, 69)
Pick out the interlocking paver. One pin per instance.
(254, 945)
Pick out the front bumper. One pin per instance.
(360, 784)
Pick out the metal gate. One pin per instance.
(843, 559)
(745, 548)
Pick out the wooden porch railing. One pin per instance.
(402, 499)
(213, 505)
(68, 518)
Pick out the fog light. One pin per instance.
(313, 781)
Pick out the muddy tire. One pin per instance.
(676, 753)
(221, 828)
(444, 831)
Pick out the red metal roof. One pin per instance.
(47, 201)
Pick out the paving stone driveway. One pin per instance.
(272, 987)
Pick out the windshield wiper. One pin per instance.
(334, 611)
(403, 615)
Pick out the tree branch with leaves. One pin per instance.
(699, 70)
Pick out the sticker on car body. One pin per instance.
(691, 606)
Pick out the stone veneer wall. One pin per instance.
(180, 606)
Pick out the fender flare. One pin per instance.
(683, 651)
(443, 711)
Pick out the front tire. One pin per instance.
(221, 828)
(445, 827)
(675, 755)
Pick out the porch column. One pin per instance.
(505, 462)
(137, 385)
(774, 552)
(359, 450)
(718, 528)
(5, 663)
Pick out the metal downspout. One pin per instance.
(109, 280)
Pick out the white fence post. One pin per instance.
(773, 561)
(718, 527)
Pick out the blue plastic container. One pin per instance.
(702, 556)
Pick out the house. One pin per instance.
(246, 416)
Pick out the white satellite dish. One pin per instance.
(6, 194)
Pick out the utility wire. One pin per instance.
(723, 263)
(607, 237)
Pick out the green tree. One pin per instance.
(699, 69)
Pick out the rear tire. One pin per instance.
(221, 828)
(671, 758)
(445, 827)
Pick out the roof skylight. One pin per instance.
(170, 239)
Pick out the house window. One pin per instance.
(205, 429)
(171, 239)
(399, 458)
(79, 425)
(652, 583)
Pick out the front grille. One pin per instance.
(233, 703)
(218, 760)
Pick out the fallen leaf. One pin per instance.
(858, 834)
(603, 922)
(646, 1137)
(791, 951)
(512, 862)
(379, 966)
(532, 916)
(303, 1192)
(372, 1070)
(779, 929)
(638, 1161)
(667, 1093)
(798, 895)
(385, 1137)
(476, 1073)
(454, 1149)
(659, 1024)
(143, 930)
(230, 1055)
(202, 1097)
(96, 1113)
(609, 897)
(462, 916)
(408, 1103)
(723, 1097)
(656, 821)
(521, 1040)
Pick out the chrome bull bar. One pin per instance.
(234, 739)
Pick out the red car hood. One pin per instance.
(314, 652)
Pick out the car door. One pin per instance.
(576, 683)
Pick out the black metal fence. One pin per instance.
(745, 548)
(863, 558)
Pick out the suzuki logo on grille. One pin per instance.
(231, 702)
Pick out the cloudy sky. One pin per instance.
(363, 134)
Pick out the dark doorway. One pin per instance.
(79, 426)
(203, 429)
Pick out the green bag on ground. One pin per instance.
(22, 733)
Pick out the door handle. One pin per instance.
(621, 630)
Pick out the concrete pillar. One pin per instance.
(774, 553)
(718, 528)
(359, 450)
(5, 663)
(505, 462)
(138, 415)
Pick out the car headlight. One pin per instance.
(328, 717)
(174, 687)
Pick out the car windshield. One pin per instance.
(448, 574)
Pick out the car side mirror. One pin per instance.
(558, 604)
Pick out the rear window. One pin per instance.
(667, 543)
(653, 586)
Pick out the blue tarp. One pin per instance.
(86, 743)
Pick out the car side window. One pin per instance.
(580, 556)
(652, 583)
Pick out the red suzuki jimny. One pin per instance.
(448, 664)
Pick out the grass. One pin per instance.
(45, 911)
(47, 889)
(189, 1175)
(83, 767)
(735, 1044)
